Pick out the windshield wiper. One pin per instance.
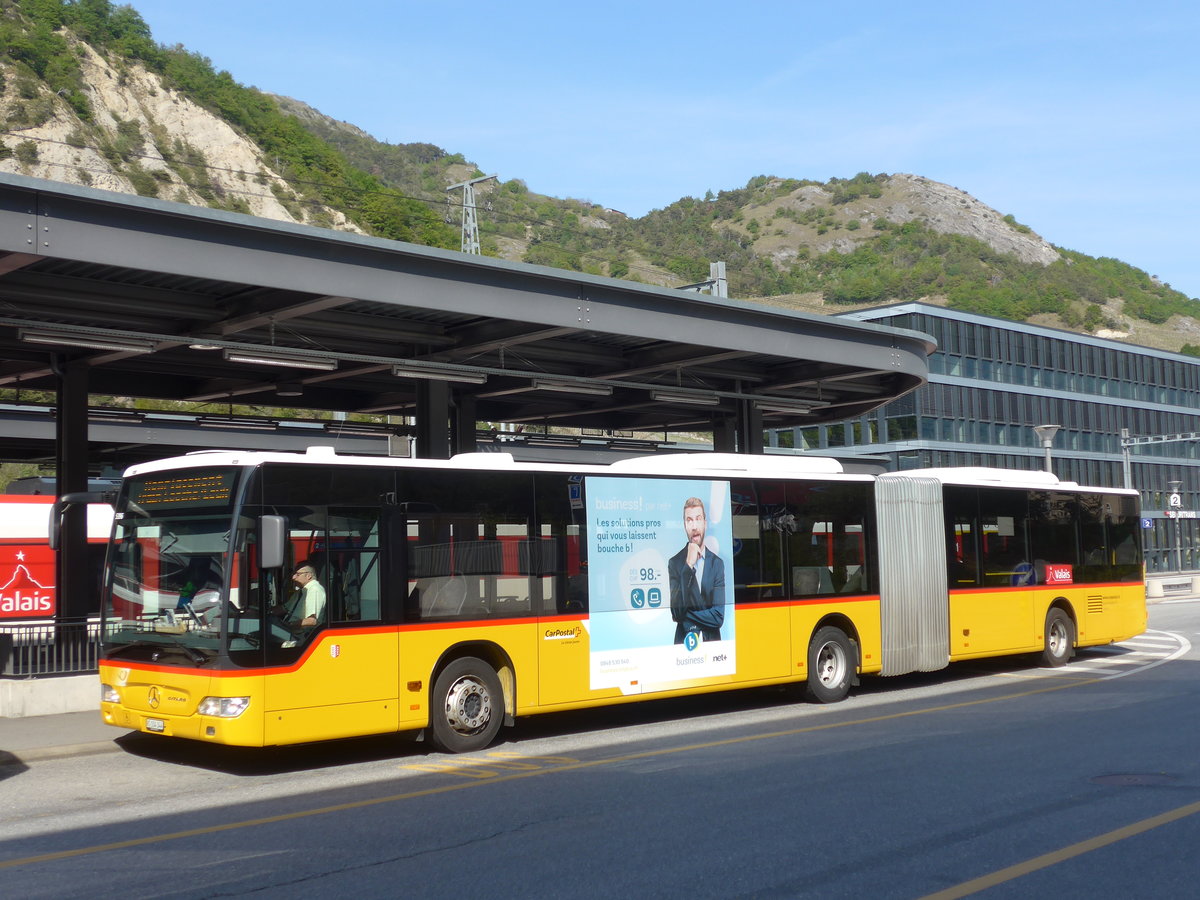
(190, 652)
(121, 649)
(195, 655)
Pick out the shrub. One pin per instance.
(27, 152)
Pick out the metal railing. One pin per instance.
(42, 649)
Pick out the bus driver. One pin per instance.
(312, 596)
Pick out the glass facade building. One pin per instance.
(991, 381)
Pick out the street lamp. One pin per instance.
(1046, 433)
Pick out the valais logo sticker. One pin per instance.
(26, 581)
(1059, 573)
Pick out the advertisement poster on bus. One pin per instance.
(660, 582)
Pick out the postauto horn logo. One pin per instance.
(563, 634)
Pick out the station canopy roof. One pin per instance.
(168, 301)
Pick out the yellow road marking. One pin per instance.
(1056, 856)
(575, 765)
(495, 763)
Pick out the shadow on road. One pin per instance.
(258, 762)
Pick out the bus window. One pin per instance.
(467, 535)
(333, 525)
(348, 557)
(826, 539)
(1053, 531)
(1003, 539)
(560, 557)
(962, 533)
(1108, 533)
(760, 524)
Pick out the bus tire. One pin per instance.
(1060, 639)
(467, 706)
(831, 665)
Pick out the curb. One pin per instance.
(41, 754)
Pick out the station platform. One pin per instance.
(35, 738)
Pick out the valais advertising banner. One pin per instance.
(26, 580)
(660, 582)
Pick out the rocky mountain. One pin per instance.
(86, 97)
(144, 137)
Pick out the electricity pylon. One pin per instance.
(470, 222)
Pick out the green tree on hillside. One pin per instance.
(320, 173)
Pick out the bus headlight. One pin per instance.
(223, 707)
(109, 694)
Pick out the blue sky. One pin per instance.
(1080, 119)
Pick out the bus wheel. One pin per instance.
(831, 663)
(1060, 638)
(467, 706)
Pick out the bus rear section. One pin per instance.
(984, 562)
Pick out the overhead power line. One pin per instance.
(298, 184)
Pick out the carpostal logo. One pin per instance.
(563, 634)
(24, 595)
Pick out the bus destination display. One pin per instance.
(184, 489)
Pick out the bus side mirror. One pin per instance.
(272, 541)
(65, 502)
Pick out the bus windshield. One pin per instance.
(166, 588)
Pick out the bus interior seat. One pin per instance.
(811, 580)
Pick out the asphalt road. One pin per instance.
(1000, 778)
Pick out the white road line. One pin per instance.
(1134, 655)
(1184, 646)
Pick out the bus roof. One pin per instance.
(716, 465)
(978, 476)
(708, 465)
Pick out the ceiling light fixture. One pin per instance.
(267, 358)
(438, 373)
(796, 408)
(572, 387)
(87, 341)
(696, 399)
(237, 422)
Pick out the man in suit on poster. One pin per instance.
(697, 577)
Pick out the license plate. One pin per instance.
(156, 725)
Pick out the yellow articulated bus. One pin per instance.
(260, 599)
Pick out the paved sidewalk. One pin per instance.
(33, 738)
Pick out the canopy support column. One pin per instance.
(742, 433)
(463, 424)
(433, 420)
(73, 575)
